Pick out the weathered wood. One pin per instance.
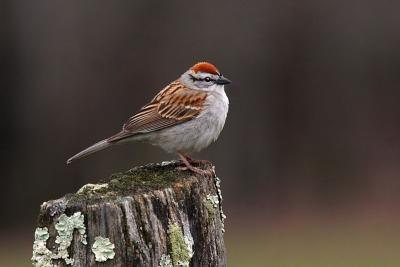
(154, 215)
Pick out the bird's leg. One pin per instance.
(188, 166)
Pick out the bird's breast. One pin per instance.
(198, 133)
(215, 113)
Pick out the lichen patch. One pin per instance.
(41, 256)
(211, 203)
(103, 249)
(91, 188)
(65, 226)
(218, 185)
(165, 261)
(179, 245)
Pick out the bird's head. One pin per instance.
(204, 76)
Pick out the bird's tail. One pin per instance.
(92, 149)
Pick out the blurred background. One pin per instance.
(309, 157)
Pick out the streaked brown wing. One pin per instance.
(173, 105)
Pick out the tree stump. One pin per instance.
(155, 215)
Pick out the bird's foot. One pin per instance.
(186, 162)
(194, 170)
(198, 161)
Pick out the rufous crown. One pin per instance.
(205, 67)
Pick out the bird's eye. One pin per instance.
(207, 79)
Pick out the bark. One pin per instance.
(155, 215)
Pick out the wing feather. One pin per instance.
(173, 105)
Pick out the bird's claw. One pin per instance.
(195, 170)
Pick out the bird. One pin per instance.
(186, 116)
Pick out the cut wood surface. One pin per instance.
(155, 215)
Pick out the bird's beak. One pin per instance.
(222, 80)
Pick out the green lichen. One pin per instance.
(65, 229)
(219, 192)
(41, 256)
(180, 247)
(89, 189)
(103, 249)
(211, 203)
(65, 226)
(165, 261)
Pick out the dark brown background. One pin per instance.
(313, 128)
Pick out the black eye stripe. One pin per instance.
(194, 78)
(207, 79)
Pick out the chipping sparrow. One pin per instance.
(184, 117)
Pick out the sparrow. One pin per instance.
(184, 117)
